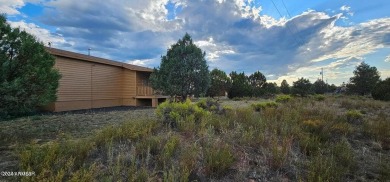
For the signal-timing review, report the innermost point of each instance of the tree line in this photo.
(256, 85)
(184, 71)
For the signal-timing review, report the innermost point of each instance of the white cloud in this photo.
(143, 62)
(136, 15)
(339, 42)
(233, 33)
(387, 59)
(345, 8)
(10, 7)
(214, 50)
(42, 34)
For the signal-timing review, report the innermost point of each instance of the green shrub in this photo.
(382, 90)
(342, 128)
(313, 126)
(280, 153)
(153, 144)
(319, 97)
(218, 159)
(58, 161)
(169, 148)
(309, 143)
(263, 105)
(323, 168)
(237, 98)
(188, 156)
(28, 79)
(354, 116)
(173, 113)
(379, 128)
(283, 98)
(211, 105)
(344, 155)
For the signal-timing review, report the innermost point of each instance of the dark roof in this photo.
(83, 57)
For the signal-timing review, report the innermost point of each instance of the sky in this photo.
(283, 39)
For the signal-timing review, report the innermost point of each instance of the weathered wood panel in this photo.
(86, 85)
(75, 83)
(106, 83)
(143, 85)
(129, 87)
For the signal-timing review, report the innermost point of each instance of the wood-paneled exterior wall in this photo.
(91, 84)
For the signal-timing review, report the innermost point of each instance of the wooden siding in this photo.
(75, 83)
(86, 85)
(92, 59)
(143, 85)
(129, 87)
(92, 82)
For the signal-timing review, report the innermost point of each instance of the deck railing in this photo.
(144, 89)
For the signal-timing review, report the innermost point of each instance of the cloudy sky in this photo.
(284, 39)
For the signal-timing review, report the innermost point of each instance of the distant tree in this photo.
(220, 83)
(381, 90)
(301, 87)
(332, 88)
(27, 77)
(257, 81)
(366, 77)
(240, 85)
(183, 70)
(271, 88)
(319, 87)
(285, 87)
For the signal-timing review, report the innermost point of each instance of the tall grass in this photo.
(299, 134)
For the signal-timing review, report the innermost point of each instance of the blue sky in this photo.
(284, 39)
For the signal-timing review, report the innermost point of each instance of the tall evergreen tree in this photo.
(301, 87)
(271, 88)
(381, 90)
(319, 87)
(240, 85)
(257, 81)
(183, 70)
(27, 77)
(220, 83)
(285, 87)
(364, 79)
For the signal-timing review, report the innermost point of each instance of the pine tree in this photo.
(27, 77)
(183, 70)
(366, 77)
(220, 83)
(302, 87)
(285, 87)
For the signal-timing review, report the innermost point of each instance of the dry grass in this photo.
(45, 128)
(304, 139)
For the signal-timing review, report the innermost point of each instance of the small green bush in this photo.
(354, 116)
(319, 97)
(237, 98)
(172, 113)
(263, 105)
(323, 168)
(283, 98)
(218, 159)
(169, 148)
(211, 105)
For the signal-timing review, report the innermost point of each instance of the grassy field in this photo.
(332, 138)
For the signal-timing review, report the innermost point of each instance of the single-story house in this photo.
(91, 82)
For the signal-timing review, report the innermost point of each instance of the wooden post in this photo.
(154, 102)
